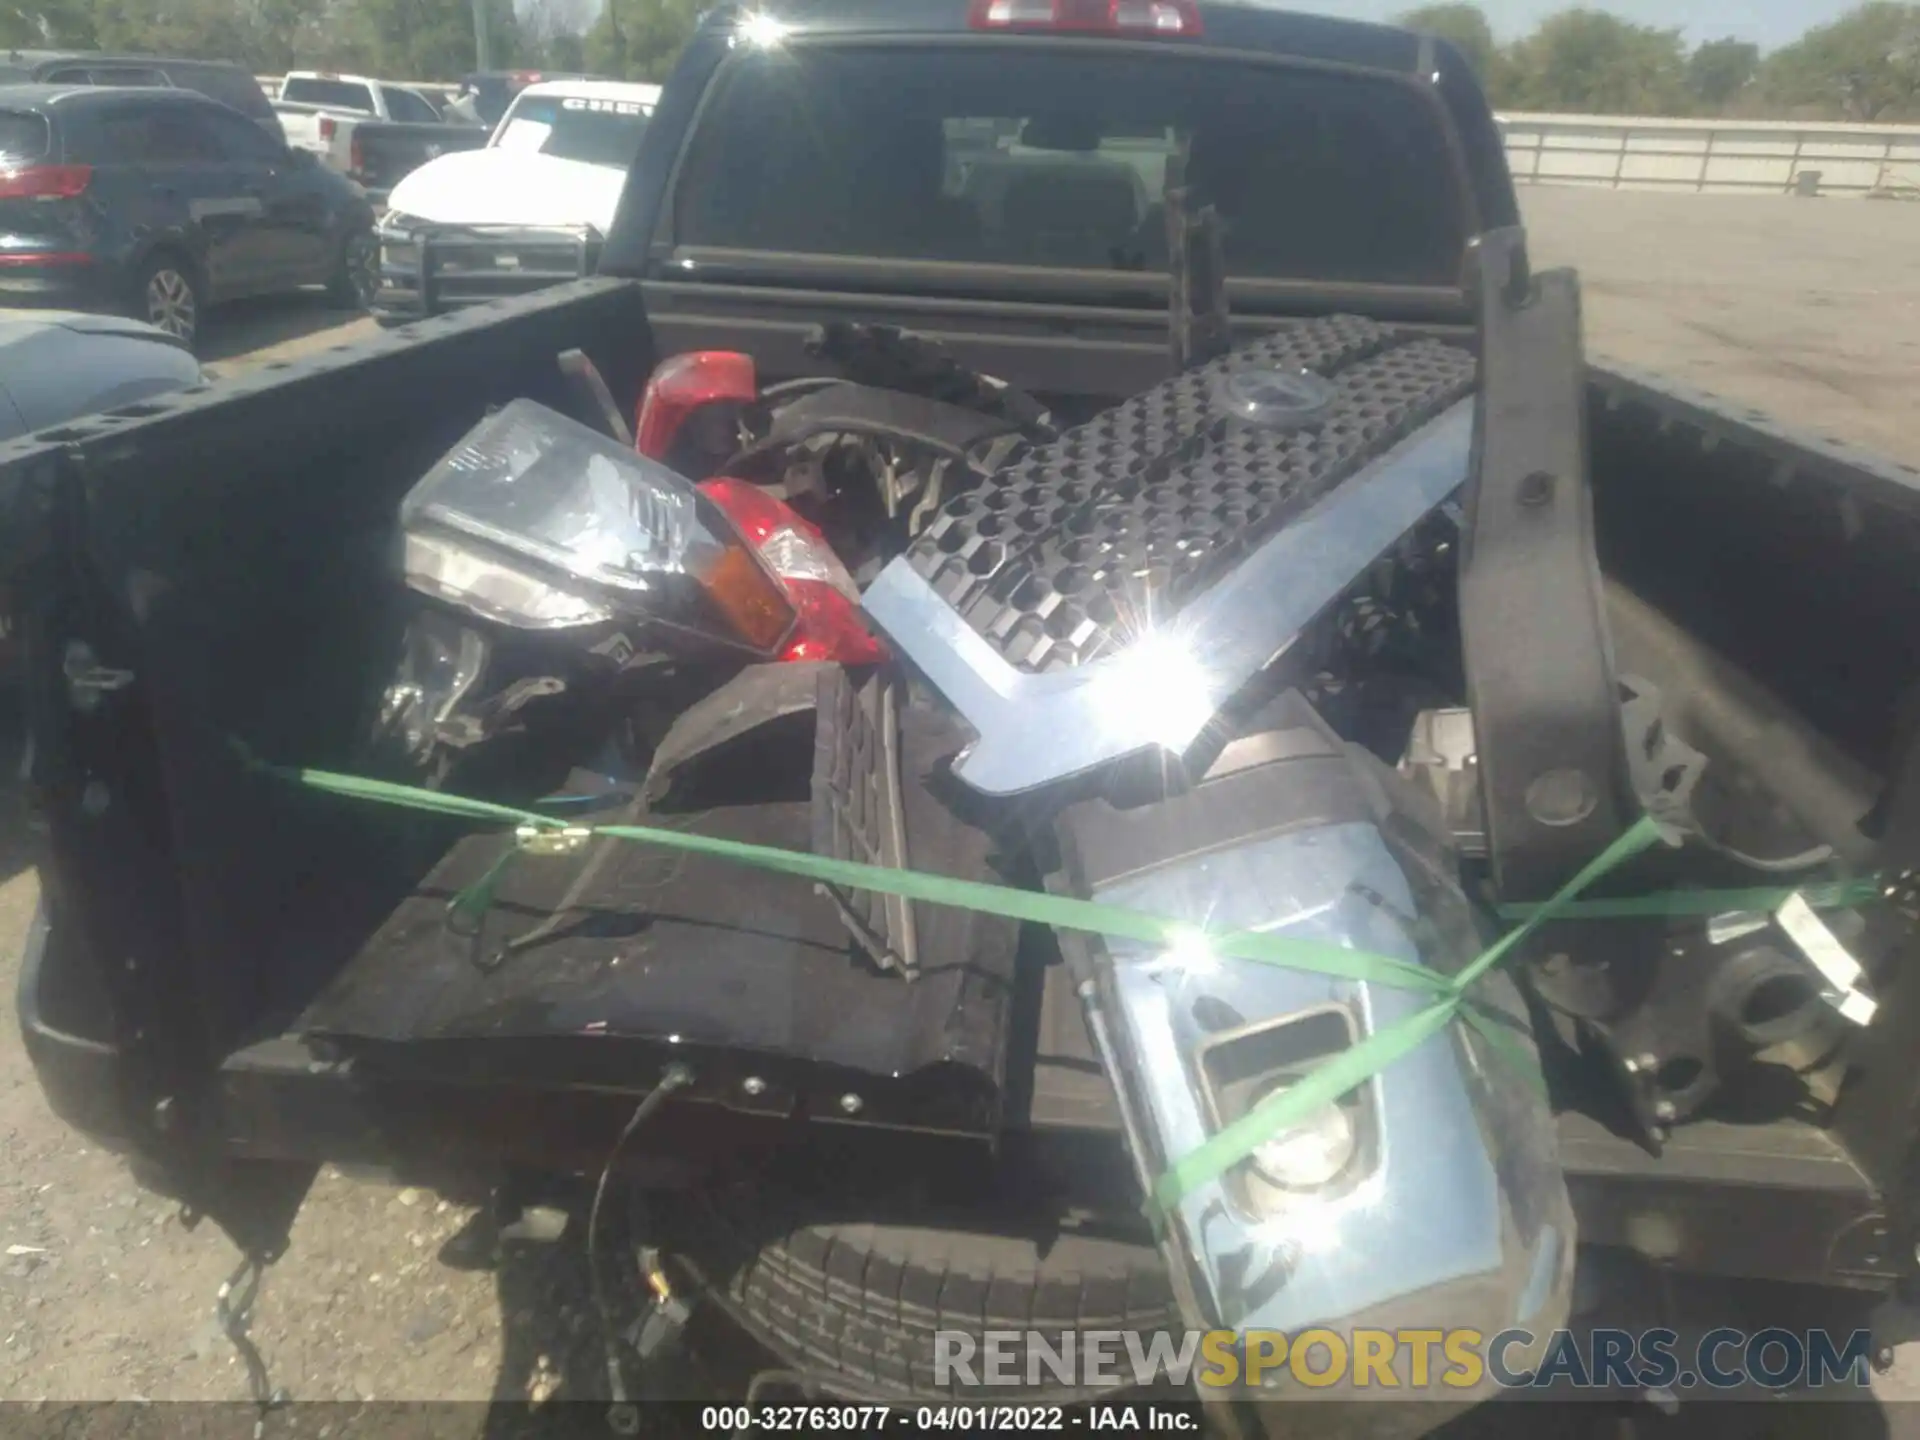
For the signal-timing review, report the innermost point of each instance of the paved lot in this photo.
(1808, 308)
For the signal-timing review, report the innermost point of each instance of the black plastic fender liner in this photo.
(1900, 812)
(1539, 666)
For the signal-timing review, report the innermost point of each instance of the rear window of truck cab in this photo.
(339, 94)
(24, 136)
(591, 129)
(1032, 154)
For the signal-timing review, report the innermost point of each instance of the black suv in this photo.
(220, 80)
(159, 203)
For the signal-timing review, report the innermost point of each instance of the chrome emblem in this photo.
(1276, 399)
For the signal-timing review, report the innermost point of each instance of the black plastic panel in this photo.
(1554, 781)
(1132, 513)
(643, 954)
(659, 955)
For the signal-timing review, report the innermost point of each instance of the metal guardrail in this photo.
(1775, 157)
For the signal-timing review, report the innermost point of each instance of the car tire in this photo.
(356, 272)
(169, 296)
(854, 1306)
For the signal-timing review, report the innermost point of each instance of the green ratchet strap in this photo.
(1005, 901)
(1237, 1141)
(1326, 1083)
(1835, 896)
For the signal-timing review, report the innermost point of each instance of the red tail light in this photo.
(823, 593)
(327, 127)
(45, 182)
(682, 384)
(1170, 18)
(355, 159)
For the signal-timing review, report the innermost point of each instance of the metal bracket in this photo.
(1199, 329)
(88, 681)
(1896, 817)
(654, 1335)
(587, 383)
(1554, 775)
(537, 841)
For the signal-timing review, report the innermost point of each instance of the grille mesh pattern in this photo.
(1120, 520)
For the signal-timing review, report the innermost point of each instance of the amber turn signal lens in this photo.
(750, 598)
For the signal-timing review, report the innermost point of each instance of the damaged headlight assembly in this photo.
(537, 522)
(550, 561)
(549, 554)
(1430, 1197)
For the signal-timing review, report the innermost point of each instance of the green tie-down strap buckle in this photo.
(536, 833)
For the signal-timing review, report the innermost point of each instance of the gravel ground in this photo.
(1805, 307)
(1809, 309)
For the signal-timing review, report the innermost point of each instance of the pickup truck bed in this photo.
(374, 153)
(382, 153)
(246, 1029)
(251, 896)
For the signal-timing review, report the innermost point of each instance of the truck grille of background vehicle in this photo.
(458, 268)
(1059, 555)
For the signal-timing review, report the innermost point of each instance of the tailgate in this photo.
(41, 213)
(386, 152)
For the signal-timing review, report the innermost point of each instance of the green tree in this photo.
(1464, 26)
(554, 34)
(1720, 70)
(1587, 61)
(266, 35)
(1467, 29)
(417, 39)
(1864, 66)
(30, 23)
(640, 39)
(566, 53)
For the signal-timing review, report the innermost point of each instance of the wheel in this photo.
(356, 273)
(854, 1305)
(167, 296)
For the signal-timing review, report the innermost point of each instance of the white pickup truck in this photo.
(370, 130)
(527, 211)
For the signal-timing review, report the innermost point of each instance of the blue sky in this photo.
(1769, 22)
